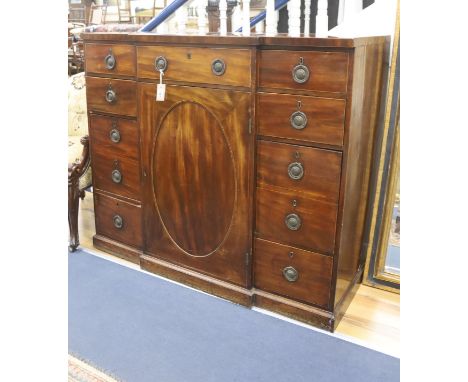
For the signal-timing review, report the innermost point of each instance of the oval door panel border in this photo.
(194, 178)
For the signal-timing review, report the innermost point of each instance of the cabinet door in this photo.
(197, 157)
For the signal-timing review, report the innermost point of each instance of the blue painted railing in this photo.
(163, 16)
(262, 15)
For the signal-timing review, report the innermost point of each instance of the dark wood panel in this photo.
(106, 208)
(129, 169)
(324, 116)
(194, 64)
(124, 56)
(125, 133)
(196, 151)
(125, 91)
(328, 70)
(197, 280)
(318, 220)
(369, 74)
(314, 272)
(321, 168)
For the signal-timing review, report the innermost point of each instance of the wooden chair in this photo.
(75, 171)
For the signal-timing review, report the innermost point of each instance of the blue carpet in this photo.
(141, 328)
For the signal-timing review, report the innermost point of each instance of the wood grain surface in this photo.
(125, 91)
(328, 70)
(314, 272)
(193, 64)
(321, 179)
(318, 220)
(124, 59)
(325, 117)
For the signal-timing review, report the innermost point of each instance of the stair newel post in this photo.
(202, 23)
(223, 17)
(271, 24)
(306, 18)
(321, 23)
(181, 15)
(294, 21)
(246, 17)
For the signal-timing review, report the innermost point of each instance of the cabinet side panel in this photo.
(369, 73)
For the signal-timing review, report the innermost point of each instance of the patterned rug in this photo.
(79, 371)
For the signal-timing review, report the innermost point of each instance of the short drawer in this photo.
(291, 218)
(112, 96)
(115, 174)
(304, 70)
(306, 169)
(302, 275)
(110, 59)
(118, 220)
(201, 65)
(300, 117)
(114, 137)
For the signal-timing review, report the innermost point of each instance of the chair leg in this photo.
(73, 205)
(75, 170)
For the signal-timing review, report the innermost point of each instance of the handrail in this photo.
(262, 15)
(163, 16)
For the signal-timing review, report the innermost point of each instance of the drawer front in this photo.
(110, 59)
(289, 217)
(327, 71)
(292, 272)
(309, 170)
(111, 96)
(190, 64)
(115, 174)
(118, 220)
(303, 118)
(115, 137)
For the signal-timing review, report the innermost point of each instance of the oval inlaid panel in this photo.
(194, 178)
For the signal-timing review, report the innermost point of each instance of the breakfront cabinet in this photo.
(249, 177)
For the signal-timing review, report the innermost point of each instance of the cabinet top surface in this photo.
(254, 40)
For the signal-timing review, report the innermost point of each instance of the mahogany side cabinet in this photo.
(250, 179)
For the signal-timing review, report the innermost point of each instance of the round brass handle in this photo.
(116, 176)
(295, 170)
(298, 120)
(118, 221)
(300, 73)
(114, 135)
(218, 67)
(293, 222)
(290, 274)
(160, 63)
(111, 97)
(109, 61)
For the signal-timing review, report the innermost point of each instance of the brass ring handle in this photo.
(118, 221)
(218, 67)
(298, 120)
(290, 274)
(110, 61)
(293, 222)
(116, 176)
(111, 97)
(114, 135)
(160, 63)
(295, 170)
(300, 73)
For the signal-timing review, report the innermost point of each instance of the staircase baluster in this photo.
(321, 23)
(271, 22)
(246, 17)
(223, 17)
(306, 18)
(294, 21)
(202, 4)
